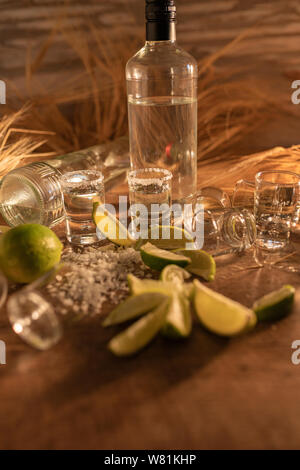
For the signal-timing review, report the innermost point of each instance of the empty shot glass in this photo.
(32, 316)
(243, 195)
(226, 232)
(81, 189)
(150, 193)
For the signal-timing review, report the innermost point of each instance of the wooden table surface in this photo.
(203, 393)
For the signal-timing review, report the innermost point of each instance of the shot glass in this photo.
(243, 195)
(277, 199)
(150, 194)
(226, 230)
(80, 190)
(230, 231)
(32, 316)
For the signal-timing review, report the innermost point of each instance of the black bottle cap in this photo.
(161, 20)
(160, 10)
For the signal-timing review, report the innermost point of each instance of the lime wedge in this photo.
(175, 274)
(157, 259)
(134, 307)
(219, 314)
(111, 227)
(188, 290)
(138, 286)
(275, 305)
(178, 322)
(202, 264)
(169, 237)
(252, 322)
(138, 335)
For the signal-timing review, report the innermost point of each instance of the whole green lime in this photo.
(28, 251)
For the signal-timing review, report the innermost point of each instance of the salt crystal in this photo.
(96, 276)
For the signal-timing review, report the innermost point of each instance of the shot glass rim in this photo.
(133, 177)
(259, 180)
(65, 183)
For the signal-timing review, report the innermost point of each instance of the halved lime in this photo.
(111, 227)
(175, 274)
(28, 251)
(202, 263)
(157, 259)
(178, 322)
(134, 307)
(169, 237)
(219, 314)
(140, 333)
(145, 286)
(275, 305)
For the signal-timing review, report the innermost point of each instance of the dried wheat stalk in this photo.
(229, 107)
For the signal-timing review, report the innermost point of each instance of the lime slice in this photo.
(138, 335)
(202, 264)
(275, 305)
(139, 286)
(188, 290)
(157, 259)
(111, 227)
(175, 274)
(252, 322)
(134, 307)
(178, 322)
(168, 237)
(219, 314)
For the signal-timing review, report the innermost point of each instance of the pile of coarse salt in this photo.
(94, 276)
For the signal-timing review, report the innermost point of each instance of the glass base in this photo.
(287, 259)
(83, 239)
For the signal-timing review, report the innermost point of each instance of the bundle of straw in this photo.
(90, 107)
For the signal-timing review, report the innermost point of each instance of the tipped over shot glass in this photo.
(226, 230)
(32, 316)
(243, 195)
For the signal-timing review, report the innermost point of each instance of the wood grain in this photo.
(203, 27)
(271, 50)
(202, 393)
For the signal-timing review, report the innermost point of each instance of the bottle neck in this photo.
(160, 31)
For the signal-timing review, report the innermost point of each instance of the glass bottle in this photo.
(32, 194)
(162, 102)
